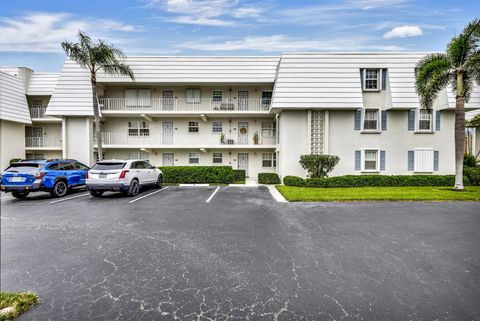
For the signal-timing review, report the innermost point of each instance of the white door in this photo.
(243, 162)
(37, 134)
(243, 133)
(243, 100)
(168, 159)
(167, 133)
(150, 175)
(167, 100)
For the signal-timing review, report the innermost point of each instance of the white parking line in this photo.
(4, 198)
(139, 198)
(69, 198)
(213, 194)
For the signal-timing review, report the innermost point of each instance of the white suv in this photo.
(125, 176)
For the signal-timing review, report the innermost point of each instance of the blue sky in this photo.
(31, 30)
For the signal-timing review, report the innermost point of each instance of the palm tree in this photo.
(94, 57)
(459, 67)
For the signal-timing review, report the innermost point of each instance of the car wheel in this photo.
(159, 181)
(20, 194)
(134, 188)
(96, 193)
(60, 189)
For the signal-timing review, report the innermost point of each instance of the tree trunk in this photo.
(96, 117)
(459, 133)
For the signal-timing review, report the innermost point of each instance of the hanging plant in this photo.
(243, 130)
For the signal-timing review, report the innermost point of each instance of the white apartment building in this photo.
(255, 113)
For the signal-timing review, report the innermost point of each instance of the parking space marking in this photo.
(213, 194)
(69, 198)
(4, 198)
(139, 198)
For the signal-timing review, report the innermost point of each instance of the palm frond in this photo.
(119, 69)
(432, 74)
(472, 67)
(465, 44)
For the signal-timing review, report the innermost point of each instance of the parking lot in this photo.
(233, 253)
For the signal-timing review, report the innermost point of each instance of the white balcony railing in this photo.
(49, 141)
(190, 139)
(183, 104)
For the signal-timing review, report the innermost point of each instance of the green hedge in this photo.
(373, 180)
(198, 174)
(473, 175)
(268, 178)
(239, 175)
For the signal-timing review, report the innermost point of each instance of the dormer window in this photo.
(425, 120)
(371, 79)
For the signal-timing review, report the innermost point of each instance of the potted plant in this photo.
(222, 138)
(255, 138)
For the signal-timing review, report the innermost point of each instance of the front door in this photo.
(168, 159)
(167, 100)
(243, 100)
(37, 137)
(243, 162)
(167, 133)
(243, 133)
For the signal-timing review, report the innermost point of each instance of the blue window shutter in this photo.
(358, 156)
(435, 160)
(411, 162)
(437, 120)
(361, 78)
(382, 160)
(384, 79)
(358, 119)
(384, 120)
(411, 119)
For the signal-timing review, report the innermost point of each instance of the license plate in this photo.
(102, 175)
(17, 179)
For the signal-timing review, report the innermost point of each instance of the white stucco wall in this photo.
(78, 136)
(12, 141)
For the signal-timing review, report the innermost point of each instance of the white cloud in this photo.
(43, 32)
(277, 43)
(200, 21)
(403, 32)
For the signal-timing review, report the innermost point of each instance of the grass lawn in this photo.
(414, 193)
(20, 302)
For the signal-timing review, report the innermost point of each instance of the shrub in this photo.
(268, 178)
(469, 160)
(15, 160)
(198, 174)
(374, 181)
(473, 175)
(293, 181)
(318, 165)
(239, 175)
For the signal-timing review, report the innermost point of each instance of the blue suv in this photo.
(56, 176)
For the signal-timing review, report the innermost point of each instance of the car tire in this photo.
(60, 189)
(20, 194)
(134, 188)
(159, 181)
(96, 193)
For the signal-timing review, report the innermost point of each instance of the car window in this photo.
(137, 165)
(147, 165)
(54, 167)
(108, 165)
(67, 166)
(24, 168)
(79, 166)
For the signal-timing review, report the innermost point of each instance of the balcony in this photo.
(38, 113)
(184, 105)
(53, 143)
(190, 140)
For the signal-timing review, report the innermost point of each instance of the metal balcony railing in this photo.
(50, 141)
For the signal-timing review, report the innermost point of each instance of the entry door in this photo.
(168, 159)
(243, 133)
(167, 100)
(167, 133)
(243, 162)
(243, 100)
(37, 134)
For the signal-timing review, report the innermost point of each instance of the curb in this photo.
(276, 194)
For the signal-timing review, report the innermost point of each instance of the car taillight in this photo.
(39, 175)
(122, 174)
(88, 174)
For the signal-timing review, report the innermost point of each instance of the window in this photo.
(425, 120)
(217, 95)
(193, 126)
(137, 97)
(266, 99)
(193, 96)
(138, 155)
(423, 160)
(38, 156)
(370, 160)
(193, 158)
(138, 128)
(217, 127)
(268, 129)
(370, 121)
(217, 158)
(269, 160)
(371, 79)
(79, 166)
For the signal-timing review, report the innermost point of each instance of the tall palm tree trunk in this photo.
(459, 133)
(96, 117)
